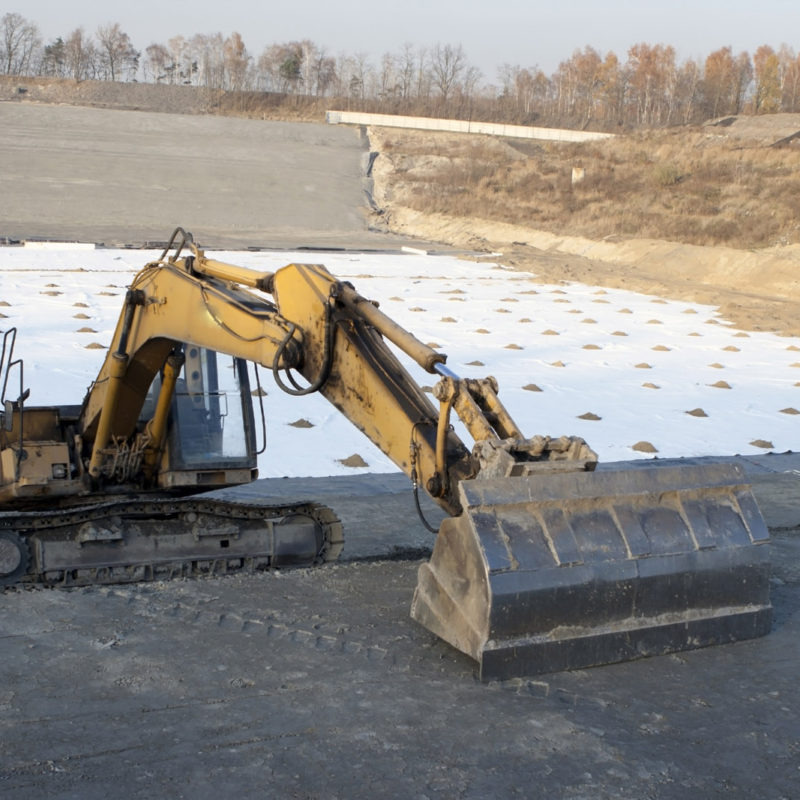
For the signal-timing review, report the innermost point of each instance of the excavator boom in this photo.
(544, 563)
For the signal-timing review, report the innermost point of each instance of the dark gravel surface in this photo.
(316, 684)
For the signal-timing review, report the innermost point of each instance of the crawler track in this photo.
(129, 540)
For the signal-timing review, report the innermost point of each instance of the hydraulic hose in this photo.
(327, 360)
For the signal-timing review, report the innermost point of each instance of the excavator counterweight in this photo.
(545, 562)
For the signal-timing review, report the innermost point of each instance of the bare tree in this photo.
(117, 55)
(183, 66)
(157, 63)
(303, 66)
(766, 65)
(236, 61)
(406, 65)
(448, 64)
(19, 43)
(324, 72)
(341, 76)
(423, 78)
(518, 94)
(790, 79)
(361, 74)
(81, 55)
(587, 89)
(387, 78)
(205, 56)
(308, 53)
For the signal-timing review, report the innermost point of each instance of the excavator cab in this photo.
(211, 438)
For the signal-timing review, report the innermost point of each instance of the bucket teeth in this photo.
(546, 573)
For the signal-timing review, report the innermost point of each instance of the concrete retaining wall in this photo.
(462, 126)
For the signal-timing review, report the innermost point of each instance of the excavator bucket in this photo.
(545, 573)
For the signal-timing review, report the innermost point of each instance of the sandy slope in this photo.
(758, 290)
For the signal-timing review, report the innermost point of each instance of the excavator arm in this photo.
(320, 328)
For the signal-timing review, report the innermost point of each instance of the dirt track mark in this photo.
(331, 637)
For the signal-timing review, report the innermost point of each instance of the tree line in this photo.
(648, 88)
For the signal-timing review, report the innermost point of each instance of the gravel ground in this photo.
(316, 684)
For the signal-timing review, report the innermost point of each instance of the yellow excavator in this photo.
(543, 564)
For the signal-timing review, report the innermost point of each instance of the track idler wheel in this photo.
(14, 557)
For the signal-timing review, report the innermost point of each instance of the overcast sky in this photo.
(492, 32)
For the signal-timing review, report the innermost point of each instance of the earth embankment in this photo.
(758, 289)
